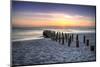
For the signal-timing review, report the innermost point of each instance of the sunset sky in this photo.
(34, 14)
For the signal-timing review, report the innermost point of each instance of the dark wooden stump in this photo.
(77, 40)
(59, 37)
(77, 43)
(66, 37)
(84, 39)
(92, 48)
(56, 36)
(77, 37)
(87, 42)
(62, 40)
(69, 41)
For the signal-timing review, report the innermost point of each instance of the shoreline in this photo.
(26, 39)
(41, 37)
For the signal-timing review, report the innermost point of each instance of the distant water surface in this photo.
(27, 34)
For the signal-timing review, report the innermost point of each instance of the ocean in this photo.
(20, 34)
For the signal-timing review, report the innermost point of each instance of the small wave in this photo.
(25, 39)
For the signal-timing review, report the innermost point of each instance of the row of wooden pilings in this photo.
(66, 38)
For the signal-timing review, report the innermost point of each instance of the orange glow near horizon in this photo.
(55, 19)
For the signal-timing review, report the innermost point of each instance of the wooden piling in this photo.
(77, 37)
(77, 41)
(87, 42)
(84, 39)
(59, 37)
(51, 35)
(92, 48)
(69, 41)
(62, 38)
(56, 36)
(66, 37)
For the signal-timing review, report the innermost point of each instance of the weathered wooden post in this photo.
(62, 38)
(66, 37)
(59, 37)
(92, 48)
(84, 39)
(47, 33)
(87, 42)
(69, 41)
(77, 37)
(70, 37)
(56, 36)
(77, 41)
(53, 35)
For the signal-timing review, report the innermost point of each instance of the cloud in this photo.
(50, 18)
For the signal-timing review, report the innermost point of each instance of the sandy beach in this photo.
(46, 51)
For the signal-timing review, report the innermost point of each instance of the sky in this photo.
(36, 14)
